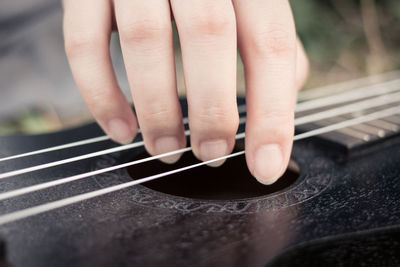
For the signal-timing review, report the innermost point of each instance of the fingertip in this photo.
(121, 131)
(167, 144)
(216, 164)
(268, 164)
(213, 149)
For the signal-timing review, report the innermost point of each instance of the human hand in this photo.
(210, 31)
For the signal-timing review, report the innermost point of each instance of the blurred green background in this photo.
(344, 39)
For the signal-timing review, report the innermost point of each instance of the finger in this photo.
(207, 32)
(302, 66)
(267, 43)
(146, 40)
(87, 34)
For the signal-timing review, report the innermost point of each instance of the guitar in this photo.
(74, 198)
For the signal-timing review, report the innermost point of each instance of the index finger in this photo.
(87, 37)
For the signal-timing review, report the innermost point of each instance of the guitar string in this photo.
(369, 91)
(24, 213)
(241, 109)
(358, 106)
(352, 95)
(30, 189)
(348, 85)
(81, 157)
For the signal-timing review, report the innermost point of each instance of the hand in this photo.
(210, 31)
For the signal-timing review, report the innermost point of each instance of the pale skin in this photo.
(210, 33)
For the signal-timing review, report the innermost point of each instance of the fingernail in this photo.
(268, 164)
(213, 149)
(119, 131)
(167, 144)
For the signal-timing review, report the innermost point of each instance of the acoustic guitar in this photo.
(75, 198)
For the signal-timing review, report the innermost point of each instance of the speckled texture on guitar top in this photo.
(335, 211)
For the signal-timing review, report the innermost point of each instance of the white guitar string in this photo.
(358, 106)
(369, 91)
(352, 95)
(241, 109)
(82, 157)
(30, 189)
(17, 215)
(59, 147)
(60, 181)
(348, 85)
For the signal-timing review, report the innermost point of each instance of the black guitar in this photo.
(73, 198)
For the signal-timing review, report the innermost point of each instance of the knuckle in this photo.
(281, 135)
(276, 40)
(276, 124)
(99, 107)
(137, 32)
(275, 116)
(217, 119)
(158, 118)
(209, 24)
(80, 43)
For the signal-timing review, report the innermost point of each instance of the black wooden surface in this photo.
(340, 211)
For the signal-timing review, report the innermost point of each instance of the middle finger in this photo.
(207, 31)
(146, 40)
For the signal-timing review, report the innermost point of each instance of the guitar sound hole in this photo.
(230, 181)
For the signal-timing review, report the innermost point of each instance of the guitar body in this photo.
(337, 210)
